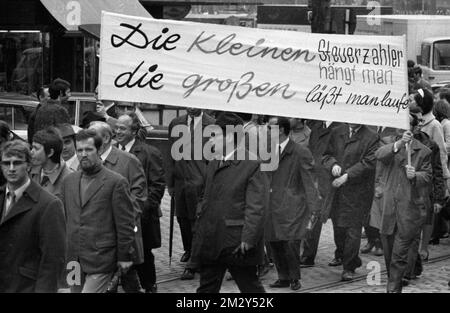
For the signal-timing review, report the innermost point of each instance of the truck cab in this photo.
(435, 59)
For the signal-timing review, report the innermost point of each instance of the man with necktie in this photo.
(230, 225)
(185, 177)
(350, 159)
(151, 160)
(318, 142)
(32, 228)
(293, 198)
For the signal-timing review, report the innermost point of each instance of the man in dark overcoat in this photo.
(151, 160)
(350, 158)
(318, 142)
(229, 230)
(293, 196)
(32, 228)
(185, 177)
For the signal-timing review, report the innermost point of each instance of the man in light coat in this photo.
(128, 166)
(100, 217)
(403, 193)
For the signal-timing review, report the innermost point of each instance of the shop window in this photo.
(22, 57)
(6, 114)
(91, 50)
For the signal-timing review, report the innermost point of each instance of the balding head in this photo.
(104, 130)
(127, 127)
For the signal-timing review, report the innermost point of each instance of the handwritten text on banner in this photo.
(357, 79)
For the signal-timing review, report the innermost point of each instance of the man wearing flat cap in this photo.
(229, 228)
(69, 154)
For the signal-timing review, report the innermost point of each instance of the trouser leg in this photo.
(279, 258)
(190, 264)
(351, 259)
(147, 270)
(399, 261)
(387, 242)
(186, 232)
(373, 236)
(339, 241)
(130, 280)
(211, 277)
(312, 243)
(413, 254)
(292, 248)
(246, 279)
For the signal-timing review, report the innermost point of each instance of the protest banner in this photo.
(355, 79)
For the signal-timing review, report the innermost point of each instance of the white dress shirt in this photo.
(197, 119)
(283, 145)
(18, 193)
(73, 163)
(130, 144)
(106, 153)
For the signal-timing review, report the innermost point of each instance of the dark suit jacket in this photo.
(32, 242)
(128, 166)
(187, 177)
(318, 143)
(100, 231)
(351, 202)
(151, 160)
(233, 211)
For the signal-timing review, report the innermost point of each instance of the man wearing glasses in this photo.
(32, 227)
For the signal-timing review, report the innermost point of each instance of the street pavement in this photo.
(320, 278)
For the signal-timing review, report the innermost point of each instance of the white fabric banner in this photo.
(344, 78)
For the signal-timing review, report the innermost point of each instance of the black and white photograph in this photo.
(228, 147)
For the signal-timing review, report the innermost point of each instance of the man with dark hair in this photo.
(230, 225)
(185, 179)
(59, 90)
(48, 169)
(293, 197)
(350, 159)
(419, 81)
(318, 142)
(127, 165)
(405, 191)
(151, 160)
(50, 112)
(100, 217)
(32, 228)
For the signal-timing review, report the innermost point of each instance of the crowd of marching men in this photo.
(80, 207)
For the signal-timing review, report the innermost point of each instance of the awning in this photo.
(91, 30)
(72, 14)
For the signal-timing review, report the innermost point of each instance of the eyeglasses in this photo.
(13, 163)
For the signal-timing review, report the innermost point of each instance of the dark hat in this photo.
(66, 130)
(89, 117)
(228, 118)
(60, 84)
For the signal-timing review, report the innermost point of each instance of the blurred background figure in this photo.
(300, 132)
